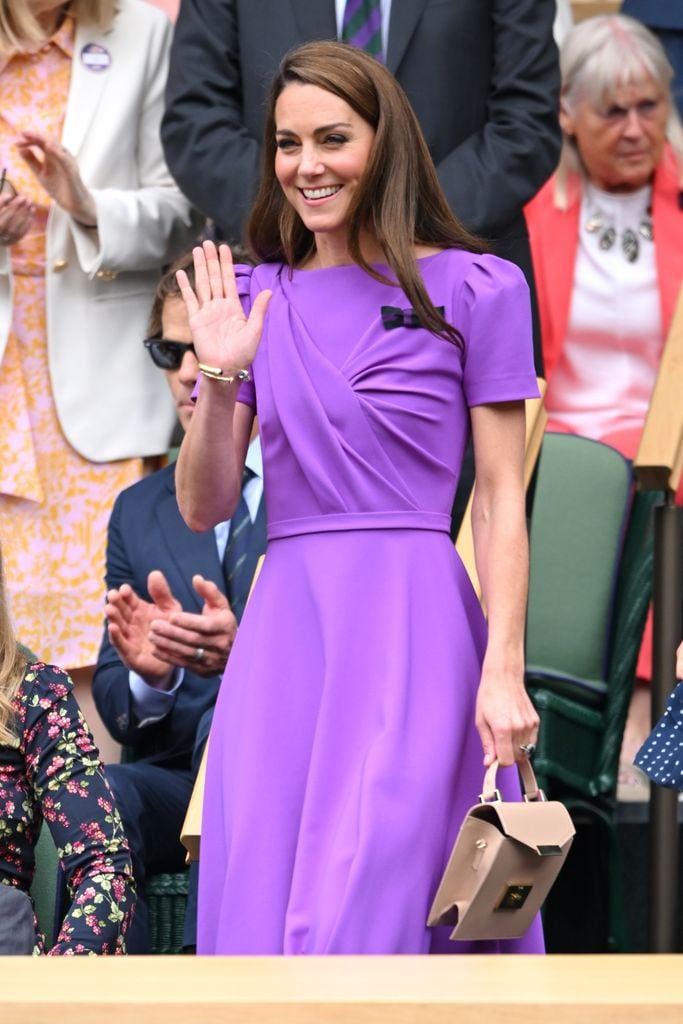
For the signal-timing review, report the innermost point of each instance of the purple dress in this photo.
(343, 754)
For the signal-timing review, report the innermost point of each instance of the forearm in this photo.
(208, 475)
(501, 551)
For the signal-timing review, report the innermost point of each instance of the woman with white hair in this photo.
(607, 238)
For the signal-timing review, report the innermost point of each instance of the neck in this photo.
(51, 20)
(331, 250)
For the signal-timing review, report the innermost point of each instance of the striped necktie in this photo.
(362, 26)
(235, 565)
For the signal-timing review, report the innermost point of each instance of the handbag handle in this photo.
(527, 776)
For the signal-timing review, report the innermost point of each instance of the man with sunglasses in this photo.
(174, 598)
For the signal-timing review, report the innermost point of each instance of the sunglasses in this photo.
(167, 354)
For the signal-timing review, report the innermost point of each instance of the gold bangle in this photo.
(216, 373)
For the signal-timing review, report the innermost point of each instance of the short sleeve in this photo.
(246, 393)
(494, 317)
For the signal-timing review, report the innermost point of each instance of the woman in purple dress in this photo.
(344, 752)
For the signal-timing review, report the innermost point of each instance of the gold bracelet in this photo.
(216, 373)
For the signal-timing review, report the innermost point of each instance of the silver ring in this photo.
(198, 654)
(528, 749)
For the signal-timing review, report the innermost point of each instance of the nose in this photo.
(310, 163)
(189, 368)
(633, 128)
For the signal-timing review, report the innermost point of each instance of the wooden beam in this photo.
(659, 461)
(582, 9)
(345, 990)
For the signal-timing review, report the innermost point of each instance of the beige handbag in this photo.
(504, 862)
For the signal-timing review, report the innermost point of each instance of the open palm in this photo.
(223, 336)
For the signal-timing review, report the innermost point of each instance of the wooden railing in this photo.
(345, 990)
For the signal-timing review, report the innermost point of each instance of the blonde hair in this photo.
(12, 667)
(21, 31)
(598, 56)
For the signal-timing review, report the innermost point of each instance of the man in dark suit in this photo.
(482, 76)
(170, 626)
(665, 18)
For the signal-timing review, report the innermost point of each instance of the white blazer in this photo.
(112, 402)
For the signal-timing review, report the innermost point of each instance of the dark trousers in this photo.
(152, 802)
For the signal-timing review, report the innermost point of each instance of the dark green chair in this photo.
(591, 559)
(166, 901)
(44, 887)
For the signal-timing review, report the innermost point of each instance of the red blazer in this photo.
(554, 236)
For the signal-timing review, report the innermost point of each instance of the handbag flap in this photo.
(543, 825)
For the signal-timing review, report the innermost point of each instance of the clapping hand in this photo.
(223, 336)
(199, 642)
(129, 621)
(16, 215)
(154, 637)
(57, 171)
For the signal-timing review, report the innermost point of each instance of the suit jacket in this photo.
(146, 531)
(660, 14)
(555, 239)
(111, 401)
(481, 75)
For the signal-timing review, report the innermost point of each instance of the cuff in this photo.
(151, 705)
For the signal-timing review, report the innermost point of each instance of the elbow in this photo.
(201, 517)
(195, 518)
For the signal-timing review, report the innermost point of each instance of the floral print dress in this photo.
(54, 773)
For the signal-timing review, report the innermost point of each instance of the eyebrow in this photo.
(318, 131)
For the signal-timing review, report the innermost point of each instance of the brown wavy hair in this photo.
(12, 666)
(400, 199)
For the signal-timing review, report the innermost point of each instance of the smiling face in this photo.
(323, 147)
(621, 140)
(176, 327)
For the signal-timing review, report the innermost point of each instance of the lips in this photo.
(320, 193)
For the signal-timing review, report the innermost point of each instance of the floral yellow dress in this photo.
(54, 504)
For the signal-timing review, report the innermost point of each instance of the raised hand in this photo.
(223, 336)
(57, 171)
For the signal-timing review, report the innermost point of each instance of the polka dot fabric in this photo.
(661, 756)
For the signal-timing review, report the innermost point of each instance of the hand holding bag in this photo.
(504, 862)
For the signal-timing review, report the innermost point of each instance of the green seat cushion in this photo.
(581, 505)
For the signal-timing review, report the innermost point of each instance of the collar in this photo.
(254, 457)
(63, 38)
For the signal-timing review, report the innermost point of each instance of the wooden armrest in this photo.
(659, 461)
(536, 419)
